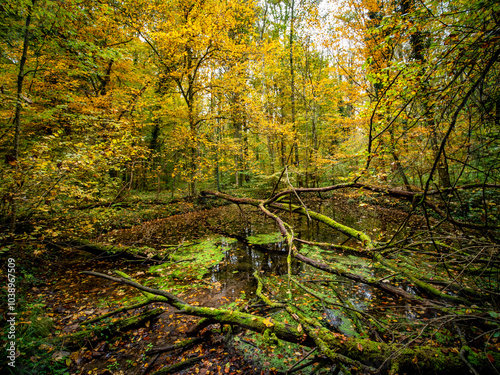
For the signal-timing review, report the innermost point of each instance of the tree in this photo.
(70, 128)
(186, 37)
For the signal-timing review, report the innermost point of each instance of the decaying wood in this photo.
(172, 369)
(363, 354)
(112, 329)
(186, 344)
(110, 251)
(351, 351)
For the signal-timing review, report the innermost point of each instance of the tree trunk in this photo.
(292, 86)
(19, 106)
(20, 80)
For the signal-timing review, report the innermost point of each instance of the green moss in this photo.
(341, 322)
(270, 352)
(264, 239)
(472, 357)
(190, 264)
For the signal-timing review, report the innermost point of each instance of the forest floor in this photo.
(57, 292)
(69, 299)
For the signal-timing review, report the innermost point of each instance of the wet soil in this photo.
(71, 298)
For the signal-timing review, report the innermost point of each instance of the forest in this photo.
(250, 187)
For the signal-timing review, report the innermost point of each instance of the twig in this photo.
(462, 351)
(295, 193)
(150, 364)
(302, 360)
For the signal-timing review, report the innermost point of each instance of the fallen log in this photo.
(351, 351)
(186, 344)
(112, 329)
(172, 369)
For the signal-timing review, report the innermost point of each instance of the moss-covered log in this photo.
(172, 369)
(186, 344)
(112, 329)
(248, 321)
(120, 310)
(355, 352)
(111, 251)
(393, 358)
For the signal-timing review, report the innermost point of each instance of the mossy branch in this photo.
(248, 321)
(120, 310)
(113, 328)
(337, 347)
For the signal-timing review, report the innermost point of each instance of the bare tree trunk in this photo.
(17, 115)
(20, 80)
(397, 162)
(292, 94)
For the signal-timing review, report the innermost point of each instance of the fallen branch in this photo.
(111, 329)
(179, 366)
(352, 351)
(186, 344)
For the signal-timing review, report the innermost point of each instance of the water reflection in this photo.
(235, 272)
(241, 261)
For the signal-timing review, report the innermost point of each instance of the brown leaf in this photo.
(57, 356)
(70, 328)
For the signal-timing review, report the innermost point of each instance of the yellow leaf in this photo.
(268, 322)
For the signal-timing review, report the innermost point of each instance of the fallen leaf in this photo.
(268, 322)
(57, 356)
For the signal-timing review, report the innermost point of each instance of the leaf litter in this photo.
(70, 299)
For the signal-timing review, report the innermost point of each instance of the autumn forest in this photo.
(250, 187)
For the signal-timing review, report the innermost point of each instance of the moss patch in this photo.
(188, 265)
(264, 239)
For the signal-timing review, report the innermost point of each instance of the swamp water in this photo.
(266, 253)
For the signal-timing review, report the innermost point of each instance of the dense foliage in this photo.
(101, 98)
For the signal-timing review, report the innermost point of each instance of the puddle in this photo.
(235, 272)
